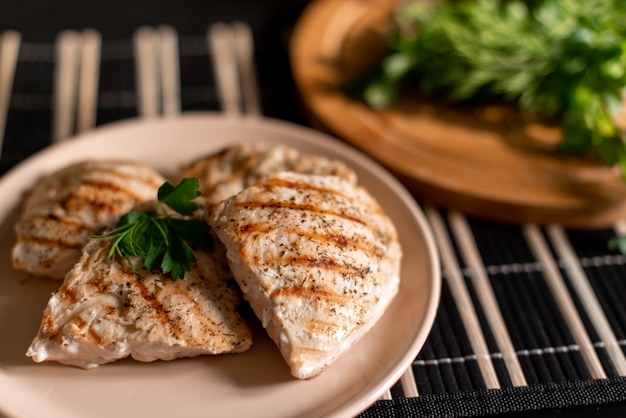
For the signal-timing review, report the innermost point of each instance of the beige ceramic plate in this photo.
(256, 383)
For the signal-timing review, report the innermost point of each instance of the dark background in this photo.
(40, 20)
(270, 20)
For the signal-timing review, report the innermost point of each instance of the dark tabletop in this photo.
(445, 373)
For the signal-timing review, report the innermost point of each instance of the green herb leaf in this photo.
(177, 257)
(618, 243)
(161, 240)
(180, 198)
(154, 256)
(194, 232)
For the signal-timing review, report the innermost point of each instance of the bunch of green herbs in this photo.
(554, 58)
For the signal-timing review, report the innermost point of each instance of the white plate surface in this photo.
(256, 383)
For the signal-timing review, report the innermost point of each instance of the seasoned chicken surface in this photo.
(242, 165)
(102, 313)
(316, 257)
(63, 210)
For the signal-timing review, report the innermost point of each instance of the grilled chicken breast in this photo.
(63, 210)
(242, 165)
(316, 257)
(102, 313)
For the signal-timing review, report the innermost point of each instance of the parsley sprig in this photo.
(160, 239)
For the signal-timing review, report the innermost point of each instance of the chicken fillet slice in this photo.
(242, 165)
(103, 313)
(317, 259)
(62, 211)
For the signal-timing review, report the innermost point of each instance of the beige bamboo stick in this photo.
(563, 299)
(221, 44)
(587, 297)
(88, 85)
(170, 70)
(462, 299)
(145, 43)
(481, 284)
(9, 50)
(244, 48)
(65, 85)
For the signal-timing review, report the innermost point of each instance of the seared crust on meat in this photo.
(102, 313)
(316, 257)
(229, 171)
(63, 211)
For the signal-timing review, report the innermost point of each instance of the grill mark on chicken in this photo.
(79, 322)
(92, 190)
(307, 352)
(278, 205)
(277, 182)
(151, 299)
(324, 263)
(311, 292)
(68, 294)
(341, 240)
(47, 325)
(124, 175)
(66, 221)
(323, 327)
(299, 185)
(90, 335)
(54, 242)
(304, 261)
(90, 197)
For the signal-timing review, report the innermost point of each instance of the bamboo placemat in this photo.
(531, 318)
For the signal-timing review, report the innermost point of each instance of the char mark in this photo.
(279, 205)
(312, 293)
(55, 243)
(328, 264)
(359, 243)
(101, 188)
(175, 326)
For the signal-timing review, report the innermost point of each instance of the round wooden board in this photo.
(485, 161)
